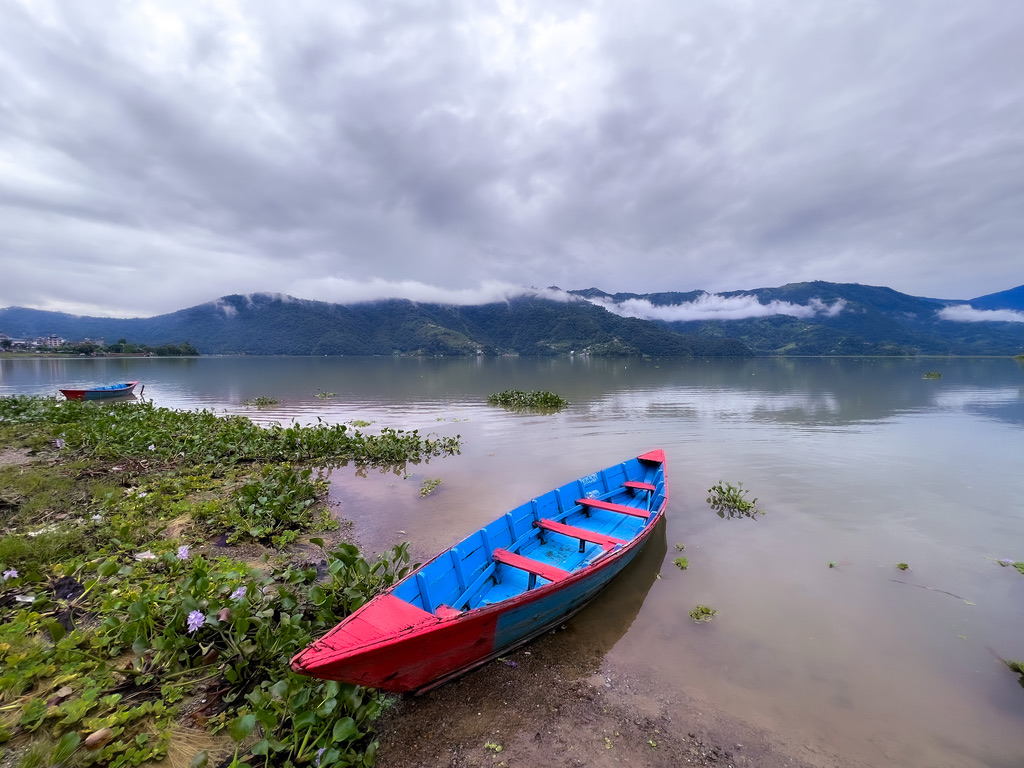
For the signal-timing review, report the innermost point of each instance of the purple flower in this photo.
(196, 619)
(152, 447)
(10, 574)
(59, 443)
(239, 593)
(183, 552)
(319, 753)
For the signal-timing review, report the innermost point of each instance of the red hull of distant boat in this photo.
(100, 393)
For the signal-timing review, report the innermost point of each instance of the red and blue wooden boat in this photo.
(505, 584)
(100, 393)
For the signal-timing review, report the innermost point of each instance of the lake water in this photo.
(858, 462)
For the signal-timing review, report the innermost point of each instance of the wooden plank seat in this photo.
(533, 567)
(611, 507)
(608, 543)
(637, 485)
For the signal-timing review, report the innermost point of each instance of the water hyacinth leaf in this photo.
(201, 760)
(243, 726)
(304, 719)
(327, 707)
(107, 568)
(56, 630)
(345, 729)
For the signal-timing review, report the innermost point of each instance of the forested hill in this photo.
(844, 319)
(263, 324)
(798, 319)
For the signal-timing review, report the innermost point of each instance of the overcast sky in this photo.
(158, 155)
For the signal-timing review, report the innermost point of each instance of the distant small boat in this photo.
(100, 393)
(512, 580)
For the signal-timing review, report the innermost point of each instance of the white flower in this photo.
(147, 555)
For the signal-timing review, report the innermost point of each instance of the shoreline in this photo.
(543, 705)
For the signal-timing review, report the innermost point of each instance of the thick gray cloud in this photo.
(155, 156)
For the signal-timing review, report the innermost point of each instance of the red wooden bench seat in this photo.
(639, 486)
(611, 507)
(608, 543)
(533, 567)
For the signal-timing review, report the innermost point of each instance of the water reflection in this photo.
(600, 625)
(804, 393)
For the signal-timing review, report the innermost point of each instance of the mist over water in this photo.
(858, 462)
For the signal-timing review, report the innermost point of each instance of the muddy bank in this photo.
(539, 708)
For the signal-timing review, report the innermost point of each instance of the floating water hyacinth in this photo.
(196, 619)
(183, 552)
(10, 574)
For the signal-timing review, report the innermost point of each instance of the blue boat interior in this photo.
(542, 541)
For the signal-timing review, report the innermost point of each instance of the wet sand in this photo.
(534, 709)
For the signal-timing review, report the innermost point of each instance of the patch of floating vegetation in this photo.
(429, 485)
(703, 613)
(682, 563)
(728, 501)
(932, 375)
(261, 402)
(515, 399)
(902, 566)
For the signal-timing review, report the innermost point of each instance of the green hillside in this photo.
(864, 320)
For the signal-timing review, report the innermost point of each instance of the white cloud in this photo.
(965, 313)
(710, 306)
(341, 290)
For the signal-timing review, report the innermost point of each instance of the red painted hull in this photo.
(397, 646)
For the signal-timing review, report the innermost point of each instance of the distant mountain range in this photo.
(815, 318)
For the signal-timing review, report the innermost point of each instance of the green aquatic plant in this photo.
(680, 547)
(429, 485)
(1006, 562)
(515, 399)
(902, 566)
(261, 402)
(728, 501)
(97, 430)
(277, 506)
(832, 564)
(325, 395)
(932, 375)
(1016, 666)
(703, 613)
(682, 563)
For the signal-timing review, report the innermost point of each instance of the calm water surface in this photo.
(858, 462)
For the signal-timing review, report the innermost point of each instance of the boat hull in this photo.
(100, 393)
(395, 645)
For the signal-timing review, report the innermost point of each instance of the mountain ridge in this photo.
(811, 318)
